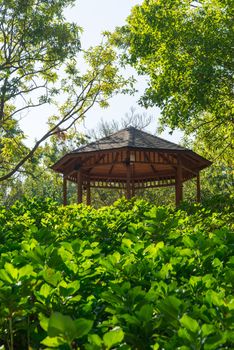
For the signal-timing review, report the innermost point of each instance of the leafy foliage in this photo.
(127, 276)
(35, 41)
(184, 49)
(39, 65)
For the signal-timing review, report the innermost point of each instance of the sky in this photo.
(95, 17)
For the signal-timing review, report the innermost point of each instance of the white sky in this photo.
(95, 16)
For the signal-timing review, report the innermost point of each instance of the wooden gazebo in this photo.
(130, 159)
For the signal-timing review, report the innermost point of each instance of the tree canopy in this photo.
(38, 65)
(35, 41)
(184, 49)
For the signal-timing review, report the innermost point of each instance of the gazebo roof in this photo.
(132, 138)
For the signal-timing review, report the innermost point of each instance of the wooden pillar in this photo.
(179, 182)
(64, 190)
(79, 187)
(198, 188)
(88, 193)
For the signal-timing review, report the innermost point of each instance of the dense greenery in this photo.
(35, 41)
(183, 47)
(128, 276)
(39, 65)
(132, 275)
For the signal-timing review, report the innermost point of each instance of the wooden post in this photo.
(198, 188)
(179, 182)
(79, 187)
(88, 193)
(64, 190)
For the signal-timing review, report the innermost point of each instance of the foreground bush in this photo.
(130, 276)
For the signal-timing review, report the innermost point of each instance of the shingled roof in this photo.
(132, 138)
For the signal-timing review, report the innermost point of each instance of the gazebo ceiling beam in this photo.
(113, 163)
(167, 159)
(191, 159)
(75, 165)
(194, 172)
(149, 176)
(151, 165)
(96, 162)
(88, 166)
(70, 169)
(186, 164)
(142, 158)
(183, 161)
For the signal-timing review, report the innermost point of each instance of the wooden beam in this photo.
(151, 165)
(90, 167)
(114, 162)
(198, 188)
(186, 164)
(167, 159)
(189, 170)
(148, 176)
(74, 164)
(79, 186)
(179, 182)
(64, 191)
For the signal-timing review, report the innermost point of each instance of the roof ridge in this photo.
(103, 138)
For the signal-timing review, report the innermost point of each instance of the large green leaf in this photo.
(83, 327)
(61, 326)
(52, 276)
(189, 323)
(113, 337)
(53, 342)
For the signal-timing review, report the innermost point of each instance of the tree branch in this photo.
(74, 110)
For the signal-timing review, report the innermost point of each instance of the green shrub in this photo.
(128, 276)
